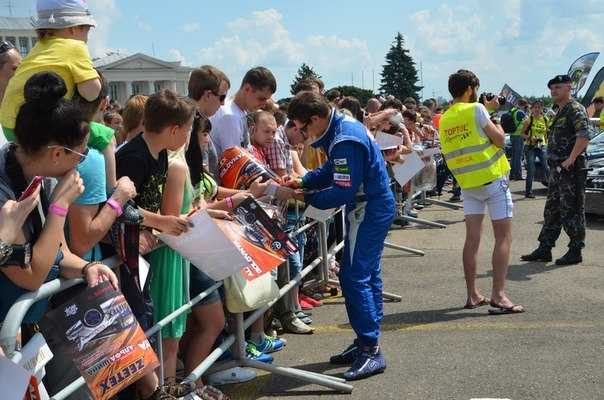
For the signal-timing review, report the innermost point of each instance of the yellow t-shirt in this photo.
(69, 58)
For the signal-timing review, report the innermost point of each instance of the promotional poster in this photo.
(238, 169)
(579, 70)
(99, 332)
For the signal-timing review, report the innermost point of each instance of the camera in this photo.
(484, 97)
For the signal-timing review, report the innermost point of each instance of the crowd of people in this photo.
(160, 154)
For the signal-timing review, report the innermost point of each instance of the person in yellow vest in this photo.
(472, 145)
(534, 132)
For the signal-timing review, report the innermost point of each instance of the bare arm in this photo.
(299, 169)
(90, 89)
(172, 198)
(495, 134)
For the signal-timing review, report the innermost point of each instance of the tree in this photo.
(361, 94)
(399, 75)
(304, 72)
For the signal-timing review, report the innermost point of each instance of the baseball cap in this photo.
(558, 79)
(59, 14)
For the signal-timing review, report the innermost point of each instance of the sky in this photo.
(522, 43)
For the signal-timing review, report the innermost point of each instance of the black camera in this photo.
(484, 97)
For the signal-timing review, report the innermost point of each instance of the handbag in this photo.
(242, 295)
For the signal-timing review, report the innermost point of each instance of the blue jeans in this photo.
(517, 147)
(533, 152)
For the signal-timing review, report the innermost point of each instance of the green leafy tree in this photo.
(399, 75)
(361, 94)
(304, 72)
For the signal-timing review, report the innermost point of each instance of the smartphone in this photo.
(33, 185)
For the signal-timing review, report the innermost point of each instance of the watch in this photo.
(5, 251)
(20, 254)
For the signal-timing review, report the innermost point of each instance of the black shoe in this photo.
(541, 254)
(529, 195)
(347, 356)
(572, 256)
(455, 199)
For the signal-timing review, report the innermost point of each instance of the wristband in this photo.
(229, 201)
(87, 266)
(56, 209)
(116, 206)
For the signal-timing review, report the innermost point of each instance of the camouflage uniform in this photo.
(565, 205)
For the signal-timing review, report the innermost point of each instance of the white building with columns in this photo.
(18, 31)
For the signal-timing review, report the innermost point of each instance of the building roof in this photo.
(114, 59)
(16, 24)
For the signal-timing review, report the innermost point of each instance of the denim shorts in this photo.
(198, 282)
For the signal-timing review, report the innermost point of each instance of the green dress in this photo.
(170, 283)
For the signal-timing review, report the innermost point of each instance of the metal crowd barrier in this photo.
(14, 317)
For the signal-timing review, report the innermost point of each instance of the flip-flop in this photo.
(481, 303)
(498, 309)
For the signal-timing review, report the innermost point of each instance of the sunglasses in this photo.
(303, 131)
(222, 97)
(6, 46)
(82, 155)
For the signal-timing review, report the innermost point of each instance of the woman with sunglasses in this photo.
(51, 140)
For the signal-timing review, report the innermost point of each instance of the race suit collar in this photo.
(326, 137)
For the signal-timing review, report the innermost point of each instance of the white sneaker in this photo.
(231, 375)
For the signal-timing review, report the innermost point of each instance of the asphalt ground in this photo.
(435, 349)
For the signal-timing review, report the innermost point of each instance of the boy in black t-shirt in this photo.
(168, 119)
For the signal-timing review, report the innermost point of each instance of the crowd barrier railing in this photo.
(236, 340)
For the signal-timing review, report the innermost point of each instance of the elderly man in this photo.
(565, 205)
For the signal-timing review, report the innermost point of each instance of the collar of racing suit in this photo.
(327, 137)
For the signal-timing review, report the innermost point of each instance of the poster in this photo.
(99, 332)
(580, 69)
(387, 141)
(511, 96)
(237, 169)
(595, 89)
(253, 242)
(411, 166)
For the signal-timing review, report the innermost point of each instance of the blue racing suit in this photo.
(355, 175)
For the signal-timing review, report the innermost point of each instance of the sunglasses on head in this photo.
(6, 46)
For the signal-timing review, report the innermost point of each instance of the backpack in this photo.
(508, 121)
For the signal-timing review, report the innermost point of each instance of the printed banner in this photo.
(238, 169)
(580, 69)
(99, 332)
(595, 89)
(511, 96)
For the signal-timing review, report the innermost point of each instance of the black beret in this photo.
(558, 79)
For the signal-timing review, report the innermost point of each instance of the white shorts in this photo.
(496, 195)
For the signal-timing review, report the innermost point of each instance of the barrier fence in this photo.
(236, 339)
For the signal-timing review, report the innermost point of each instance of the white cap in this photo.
(59, 14)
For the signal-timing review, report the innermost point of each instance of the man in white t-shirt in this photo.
(229, 126)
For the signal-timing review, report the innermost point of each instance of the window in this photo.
(12, 39)
(34, 40)
(157, 86)
(23, 46)
(113, 91)
(137, 88)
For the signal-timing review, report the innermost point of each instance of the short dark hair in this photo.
(306, 105)
(260, 78)
(412, 115)
(89, 108)
(409, 100)
(392, 103)
(307, 84)
(166, 108)
(598, 99)
(333, 94)
(280, 117)
(460, 81)
(523, 102)
(206, 77)
(47, 117)
(353, 105)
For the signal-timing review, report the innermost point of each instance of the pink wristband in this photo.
(56, 209)
(229, 201)
(116, 206)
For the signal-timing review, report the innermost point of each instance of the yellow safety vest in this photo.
(470, 156)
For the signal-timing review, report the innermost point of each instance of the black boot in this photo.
(572, 256)
(542, 253)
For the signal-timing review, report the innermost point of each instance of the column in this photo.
(150, 89)
(128, 89)
(173, 86)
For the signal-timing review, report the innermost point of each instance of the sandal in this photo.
(499, 309)
(483, 302)
(207, 392)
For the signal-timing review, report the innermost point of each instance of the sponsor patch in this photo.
(341, 177)
(342, 169)
(340, 161)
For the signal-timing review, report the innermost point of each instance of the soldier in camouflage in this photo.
(568, 137)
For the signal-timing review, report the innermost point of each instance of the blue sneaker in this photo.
(269, 345)
(252, 353)
(347, 356)
(369, 362)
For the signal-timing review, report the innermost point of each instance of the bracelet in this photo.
(116, 206)
(229, 201)
(87, 266)
(56, 209)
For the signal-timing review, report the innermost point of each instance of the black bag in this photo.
(508, 121)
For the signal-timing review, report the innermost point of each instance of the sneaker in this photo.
(292, 324)
(572, 256)
(455, 199)
(411, 214)
(252, 353)
(230, 376)
(529, 195)
(305, 305)
(179, 389)
(304, 317)
(368, 363)
(160, 394)
(310, 300)
(270, 345)
(347, 356)
(540, 254)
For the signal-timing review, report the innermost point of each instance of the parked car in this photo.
(595, 149)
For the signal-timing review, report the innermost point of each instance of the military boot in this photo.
(542, 253)
(572, 256)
